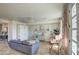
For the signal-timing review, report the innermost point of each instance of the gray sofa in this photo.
(27, 47)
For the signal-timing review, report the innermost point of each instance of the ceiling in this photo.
(31, 11)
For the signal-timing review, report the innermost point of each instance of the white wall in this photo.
(18, 33)
(22, 32)
(13, 29)
(45, 26)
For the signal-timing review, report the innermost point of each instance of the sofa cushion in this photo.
(25, 42)
(31, 42)
(16, 41)
(29, 47)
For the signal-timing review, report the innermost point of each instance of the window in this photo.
(74, 22)
(74, 30)
(74, 10)
(74, 51)
(74, 35)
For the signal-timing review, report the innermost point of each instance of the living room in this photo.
(35, 29)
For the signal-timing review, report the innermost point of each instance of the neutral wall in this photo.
(13, 30)
(13, 33)
(23, 31)
(45, 27)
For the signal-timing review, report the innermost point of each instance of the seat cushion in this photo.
(25, 43)
(16, 41)
(30, 42)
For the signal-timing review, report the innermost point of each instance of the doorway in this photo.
(3, 31)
